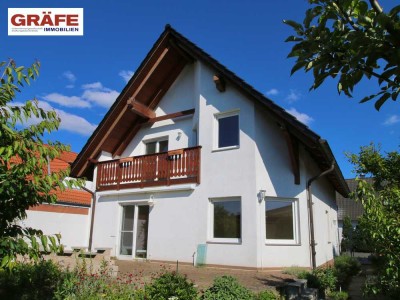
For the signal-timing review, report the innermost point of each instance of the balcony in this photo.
(160, 169)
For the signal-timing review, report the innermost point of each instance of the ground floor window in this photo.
(226, 215)
(281, 221)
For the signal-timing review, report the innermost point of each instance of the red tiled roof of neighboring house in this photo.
(78, 197)
(69, 196)
(68, 156)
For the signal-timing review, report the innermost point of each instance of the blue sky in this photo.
(80, 77)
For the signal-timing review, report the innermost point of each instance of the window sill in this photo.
(282, 243)
(225, 148)
(225, 241)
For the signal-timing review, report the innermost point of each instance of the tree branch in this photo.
(346, 18)
(376, 6)
(372, 73)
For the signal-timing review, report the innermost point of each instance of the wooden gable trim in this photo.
(182, 52)
(293, 149)
(140, 109)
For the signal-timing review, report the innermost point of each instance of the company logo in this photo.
(45, 21)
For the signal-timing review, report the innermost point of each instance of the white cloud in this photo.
(98, 94)
(68, 101)
(302, 117)
(71, 79)
(392, 120)
(71, 122)
(272, 92)
(94, 85)
(126, 74)
(293, 96)
(93, 93)
(103, 98)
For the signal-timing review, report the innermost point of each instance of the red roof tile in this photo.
(74, 197)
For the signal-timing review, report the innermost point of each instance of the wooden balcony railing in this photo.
(166, 168)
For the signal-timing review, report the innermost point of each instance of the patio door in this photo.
(152, 165)
(134, 230)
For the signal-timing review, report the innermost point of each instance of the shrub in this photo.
(322, 279)
(31, 281)
(345, 268)
(169, 285)
(82, 283)
(267, 295)
(227, 288)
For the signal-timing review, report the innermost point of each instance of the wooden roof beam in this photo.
(219, 83)
(170, 116)
(140, 109)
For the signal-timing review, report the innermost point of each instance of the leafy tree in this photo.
(24, 177)
(351, 40)
(347, 235)
(381, 218)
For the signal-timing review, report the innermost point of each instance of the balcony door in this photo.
(134, 230)
(152, 164)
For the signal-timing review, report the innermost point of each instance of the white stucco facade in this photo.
(181, 216)
(73, 227)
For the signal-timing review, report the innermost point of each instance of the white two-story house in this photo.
(191, 163)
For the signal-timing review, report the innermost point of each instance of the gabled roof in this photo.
(155, 75)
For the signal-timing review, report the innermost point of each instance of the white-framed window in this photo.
(281, 221)
(156, 146)
(227, 130)
(226, 220)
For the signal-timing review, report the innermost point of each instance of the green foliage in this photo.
(351, 40)
(347, 235)
(345, 268)
(336, 295)
(227, 288)
(381, 221)
(82, 284)
(169, 285)
(24, 180)
(322, 279)
(267, 295)
(31, 281)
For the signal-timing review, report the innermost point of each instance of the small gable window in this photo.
(227, 135)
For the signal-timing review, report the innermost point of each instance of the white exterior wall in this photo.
(180, 219)
(325, 216)
(74, 228)
(275, 176)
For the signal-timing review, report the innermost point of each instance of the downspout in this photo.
(310, 211)
(92, 217)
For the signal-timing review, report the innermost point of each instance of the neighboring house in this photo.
(349, 207)
(191, 163)
(69, 216)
